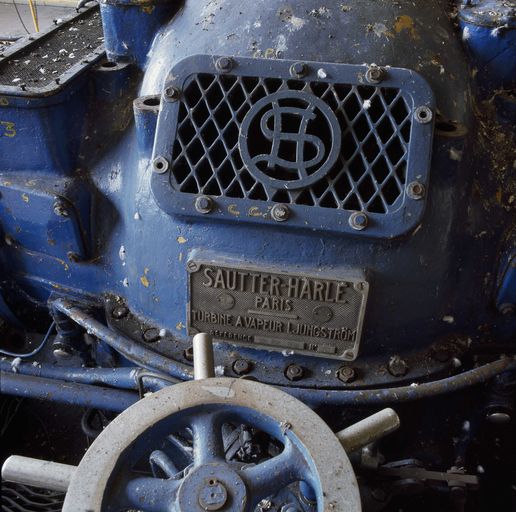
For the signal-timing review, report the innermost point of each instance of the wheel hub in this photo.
(212, 487)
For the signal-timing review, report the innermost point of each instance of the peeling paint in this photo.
(405, 23)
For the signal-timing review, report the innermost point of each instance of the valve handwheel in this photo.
(110, 476)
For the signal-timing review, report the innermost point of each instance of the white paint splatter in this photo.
(466, 34)
(366, 104)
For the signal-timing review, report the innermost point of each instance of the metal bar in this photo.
(27, 386)
(368, 430)
(204, 366)
(133, 351)
(38, 473)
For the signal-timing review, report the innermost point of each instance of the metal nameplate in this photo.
(299, 313)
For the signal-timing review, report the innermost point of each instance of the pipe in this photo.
(136, 353)
(28, 386)
(312, 397)
(204, 367)
(368, 430)
(38, 473)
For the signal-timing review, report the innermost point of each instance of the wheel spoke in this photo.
(207, 438)
(151, 494)
(274, 474)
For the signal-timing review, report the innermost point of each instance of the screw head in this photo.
(280, 212)
(160, 165)
(375, 74)
(298, 69)
(192, 266)
(397, 367)
(151, 335)
(204, 204)
(416, 190)
(119, 312)
(358, 221)
(294, 372)
(423, 114)
(224, 64)
(242, 366)
(346, 374)
(172, 93)
(60, 209)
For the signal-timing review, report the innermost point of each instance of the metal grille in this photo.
(21, 498)
(368, 175)
(47, 58)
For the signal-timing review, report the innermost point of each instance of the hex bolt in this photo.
(60, 209)
(346, 374)
(160, 164)
(416, 190)
(119, 312)
(294, 372)
(188, 354)
(151, 335)
(280, 212)
(397, 367)
(204, 204)
(172, 93)
(242, 366)
(375, 74)
(423, 114)
(298, 70)
(358, 221)
(224, 64)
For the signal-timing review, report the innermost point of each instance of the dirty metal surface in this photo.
(297, 313)
(38, 61)
(325, 143)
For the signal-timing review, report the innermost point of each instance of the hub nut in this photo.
(294, 372)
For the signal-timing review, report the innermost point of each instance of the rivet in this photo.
(358, 220)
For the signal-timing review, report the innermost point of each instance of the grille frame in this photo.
(413, 91)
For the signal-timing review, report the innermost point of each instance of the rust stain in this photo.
(405, 23)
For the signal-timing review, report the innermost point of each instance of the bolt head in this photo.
(242, 366)
(151, 335)
(298, 69)
(358, 221)
(346, 374)
(204, 204)
(188, 354)
(280, 212)
(375, 74)
(224, 64)
(397, 367)
(294, 372)
(119, 312)
(172, 93)
(416, 190)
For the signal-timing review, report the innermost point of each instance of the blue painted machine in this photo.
(325, 191)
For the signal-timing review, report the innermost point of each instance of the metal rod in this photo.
(204, 366)
(28, 386)
(38, 473)
(368, 430)
(131, 350)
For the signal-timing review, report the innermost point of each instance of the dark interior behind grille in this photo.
(369, 175)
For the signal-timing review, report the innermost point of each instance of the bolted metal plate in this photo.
(312, 315)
